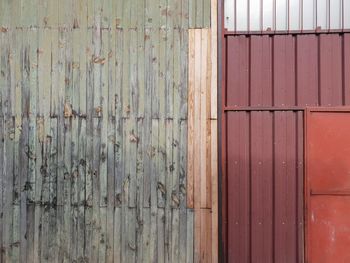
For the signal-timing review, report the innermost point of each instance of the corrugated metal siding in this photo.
(268, 81)
(265, 186)
(286, 15)
(288, 70)
(93, 130)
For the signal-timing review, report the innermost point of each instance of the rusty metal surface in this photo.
(328, 185)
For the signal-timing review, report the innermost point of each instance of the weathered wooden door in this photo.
(327, 188)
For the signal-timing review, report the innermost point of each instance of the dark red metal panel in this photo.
(328, 185)
(238, 71)
(261, 163)
(265, 185)
(268, 82)
(238, 168)
(284, 70)
(330, 75)
(260, 71)
(307, 77)
(288, 70)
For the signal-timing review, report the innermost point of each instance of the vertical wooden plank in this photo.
(146, 237)
(190, 236)
(158, 91)
(153, 188)
(199, 13)
(16, 201)
(185, 14)
(207, 5)
(161, 156)
(45, 192)
(74, 188)
(125, 92)
(38, 141)
(6, 76)
(191, 109)
(82, 175)
(112, 67)
(52, 137)
(8, 188)
(2, 76)
(182, 190)
(206, 235)
(88, 188)
(141, 72)
(23, 160)
(214, 59)
(161, 235)
(197, 143)
(84, 60)
(148, 87)
(118, 186)
(204, 79)
(96, 222)
(2, 176)
(140, 228)
(106, 13)
(44, 76)
(184, 73)
(118, 13)
(103, 147)
(65, 14)
(169, 171)
(133, 138)
(110, 188)
(169, 71)
(30, 185)
(28, 13)
(192, 13)
(163, 14)
(117, 249)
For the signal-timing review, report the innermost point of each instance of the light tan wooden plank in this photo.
(197, 144)
(214, 60)
(190, 155)
(204, 184)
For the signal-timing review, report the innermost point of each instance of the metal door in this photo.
(327, 185)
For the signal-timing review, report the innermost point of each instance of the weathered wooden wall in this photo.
(93, 130)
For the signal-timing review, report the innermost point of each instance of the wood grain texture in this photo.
(95, 163)
(202, 160)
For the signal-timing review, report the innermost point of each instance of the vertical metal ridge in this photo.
(343, 68)
(250, 188)
(296, 68)
(319, 69)
(273, 188)
(273, 70)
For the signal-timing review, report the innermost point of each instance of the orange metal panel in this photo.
(327, 186)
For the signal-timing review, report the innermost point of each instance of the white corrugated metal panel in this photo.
(283, 15)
